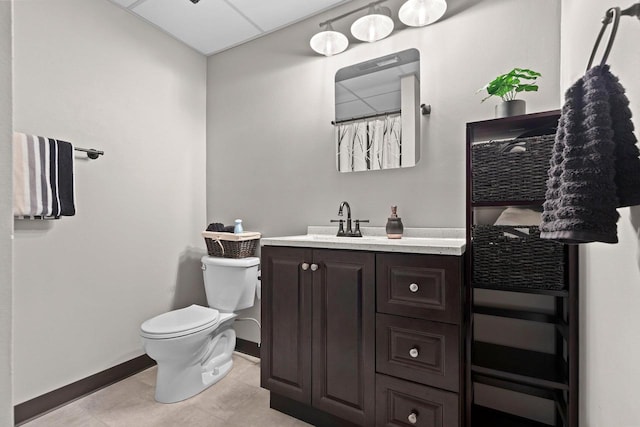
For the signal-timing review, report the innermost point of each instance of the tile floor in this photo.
(236, 401)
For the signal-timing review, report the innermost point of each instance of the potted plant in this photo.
(507, 86)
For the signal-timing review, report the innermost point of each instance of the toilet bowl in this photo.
(193, 346)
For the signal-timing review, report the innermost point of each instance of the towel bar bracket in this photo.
(92, 153)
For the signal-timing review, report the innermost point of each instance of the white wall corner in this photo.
(6, 213)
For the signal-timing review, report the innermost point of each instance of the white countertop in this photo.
(438, 241)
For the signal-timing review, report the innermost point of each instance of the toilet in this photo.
(193, 346)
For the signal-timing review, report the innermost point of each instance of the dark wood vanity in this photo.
(402, 336)
(363, 338)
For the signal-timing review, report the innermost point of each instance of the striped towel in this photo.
(43, 183)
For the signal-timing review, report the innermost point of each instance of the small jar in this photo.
(237, 228)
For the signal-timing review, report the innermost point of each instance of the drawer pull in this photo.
(314, 267)
(305, 266)
(413, 417)
(413, 352)
(413, 287)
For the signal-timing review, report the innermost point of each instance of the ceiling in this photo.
(211, 26)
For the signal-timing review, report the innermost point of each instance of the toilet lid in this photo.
(181, 322)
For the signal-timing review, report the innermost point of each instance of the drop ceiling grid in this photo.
(272, 14)
(212, 26)
(208, 26)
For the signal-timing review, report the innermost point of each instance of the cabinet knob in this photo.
(314, 267)
(413, 418)
(413, 287)
(414, 352)
(305, 266)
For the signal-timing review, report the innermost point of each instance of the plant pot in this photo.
(515, 107)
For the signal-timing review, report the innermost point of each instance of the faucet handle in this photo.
(340, 227)
(357, 232)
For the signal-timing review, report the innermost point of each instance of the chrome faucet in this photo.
(348, 231)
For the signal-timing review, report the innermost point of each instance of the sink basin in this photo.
(377, 243)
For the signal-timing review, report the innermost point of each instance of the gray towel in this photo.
(595, 164)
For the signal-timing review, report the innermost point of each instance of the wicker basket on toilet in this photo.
(231, 245)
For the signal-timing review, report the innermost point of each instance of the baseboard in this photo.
(42, 404)
(248, 347)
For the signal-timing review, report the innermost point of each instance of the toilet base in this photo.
(175, 383)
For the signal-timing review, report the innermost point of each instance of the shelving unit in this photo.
(550, 376)
(487, 417)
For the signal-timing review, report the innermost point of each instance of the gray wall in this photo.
(6, 222)
(93, 74)
(270, 147)
(610, 274)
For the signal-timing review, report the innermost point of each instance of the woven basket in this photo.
(230, 245)
(511, 170)
(506, 256)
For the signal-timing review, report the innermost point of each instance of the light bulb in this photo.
(372, 27)
(329, 42)
(418, 13)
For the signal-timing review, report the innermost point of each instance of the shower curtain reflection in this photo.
(369, 144)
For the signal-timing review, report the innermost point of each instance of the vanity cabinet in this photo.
(363, 338)
(318, 336)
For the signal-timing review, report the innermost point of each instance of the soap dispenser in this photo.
(394, 225)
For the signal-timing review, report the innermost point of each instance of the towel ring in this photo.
(613, 13)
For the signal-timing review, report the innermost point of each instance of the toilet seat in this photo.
(181, 322)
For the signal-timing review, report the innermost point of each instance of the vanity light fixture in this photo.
(374, 26)
(418, 13)
(329, 42)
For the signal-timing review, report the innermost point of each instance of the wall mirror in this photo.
(377, 113)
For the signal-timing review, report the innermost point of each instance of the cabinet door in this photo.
(286, 322)
(344, 335)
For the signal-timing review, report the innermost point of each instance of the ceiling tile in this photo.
(385, 102)
(209, 26)
(272, 14)
(343, 94)
(352, 109)
(373, 84)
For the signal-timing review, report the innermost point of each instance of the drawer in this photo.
(402, 403)
(418, 350)
(423, 286)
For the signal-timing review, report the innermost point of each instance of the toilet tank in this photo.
(230, 283)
